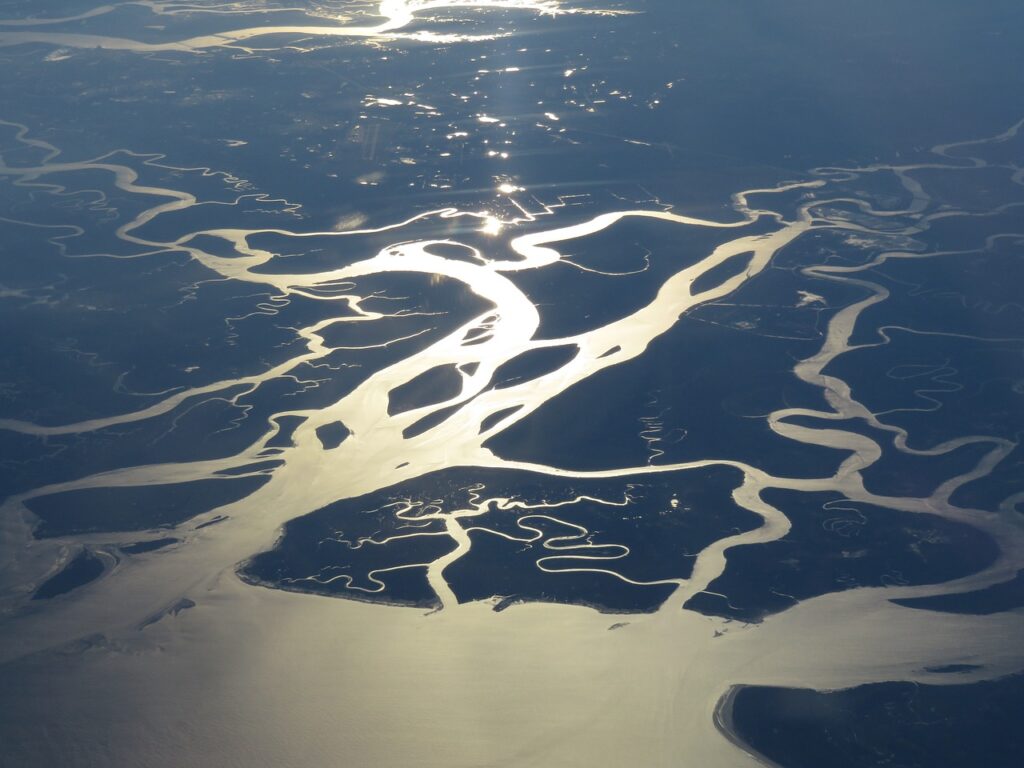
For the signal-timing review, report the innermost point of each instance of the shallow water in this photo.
(507, 383)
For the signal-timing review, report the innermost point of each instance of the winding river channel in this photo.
(370, 421)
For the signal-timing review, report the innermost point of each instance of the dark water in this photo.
(698, 310)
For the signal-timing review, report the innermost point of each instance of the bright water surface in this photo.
(511, 323)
